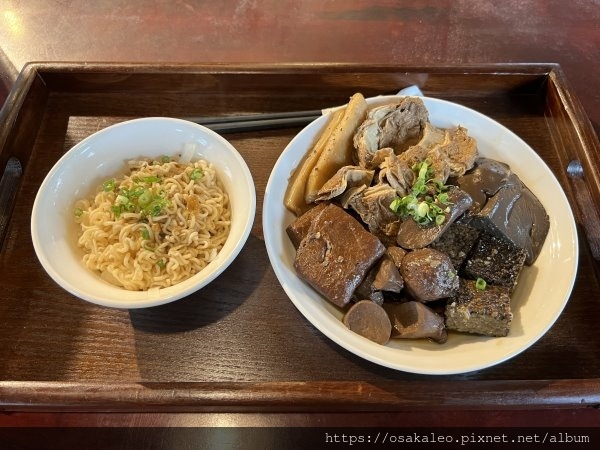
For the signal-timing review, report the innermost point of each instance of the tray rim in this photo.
(294, 396)
(34, 71)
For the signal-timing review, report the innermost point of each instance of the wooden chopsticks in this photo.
(257, 122)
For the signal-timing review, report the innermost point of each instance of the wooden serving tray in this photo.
(240, 344)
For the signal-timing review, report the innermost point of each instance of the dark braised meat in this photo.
(411, 235)
(414, 320)
(428, 275)
(388, 276)
(369, 320)
(336, 254)
(431, 137)
(454, 156)
(396, 254)
(345, 178)
(395, 126)
(397, 173)
(373, 206)
(505, 207)
(383, 277)
(298, 229)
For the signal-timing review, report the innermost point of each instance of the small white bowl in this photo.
(104, 154)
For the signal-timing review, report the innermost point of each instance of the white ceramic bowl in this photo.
(543, 290)
(83, 168)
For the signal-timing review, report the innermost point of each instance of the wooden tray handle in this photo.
(588, 208)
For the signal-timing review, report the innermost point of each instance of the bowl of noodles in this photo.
(143, 213)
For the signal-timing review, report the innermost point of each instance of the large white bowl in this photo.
(84, 167)
(543, 290)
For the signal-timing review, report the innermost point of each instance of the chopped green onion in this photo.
(396, 203)
(443, 198)
(197, 174)
(160, 263)
(480, 284)
(441, 187)
(422, 209)
(78, 212)
(151, 179)
(424, 170)
(155, 207)
(121, 200)
(165, 159)
(145, 234)
(140, 199)
(109, 185)
(145, 198)
(423, 202)
(136, 191)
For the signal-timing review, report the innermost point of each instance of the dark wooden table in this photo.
(418, 33)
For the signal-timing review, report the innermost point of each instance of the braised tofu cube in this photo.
(336, 254)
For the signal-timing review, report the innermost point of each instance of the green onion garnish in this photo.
(145, 198)
(160, 263)
(121, 199)
(197, 174)
(155, 207)
(139, 199)
(136, 191)
(109, 185)
(422, 203)
(480, 284)
(151, 179)
(145, 234)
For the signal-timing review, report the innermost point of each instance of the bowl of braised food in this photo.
(143, 212)
(420, 234)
